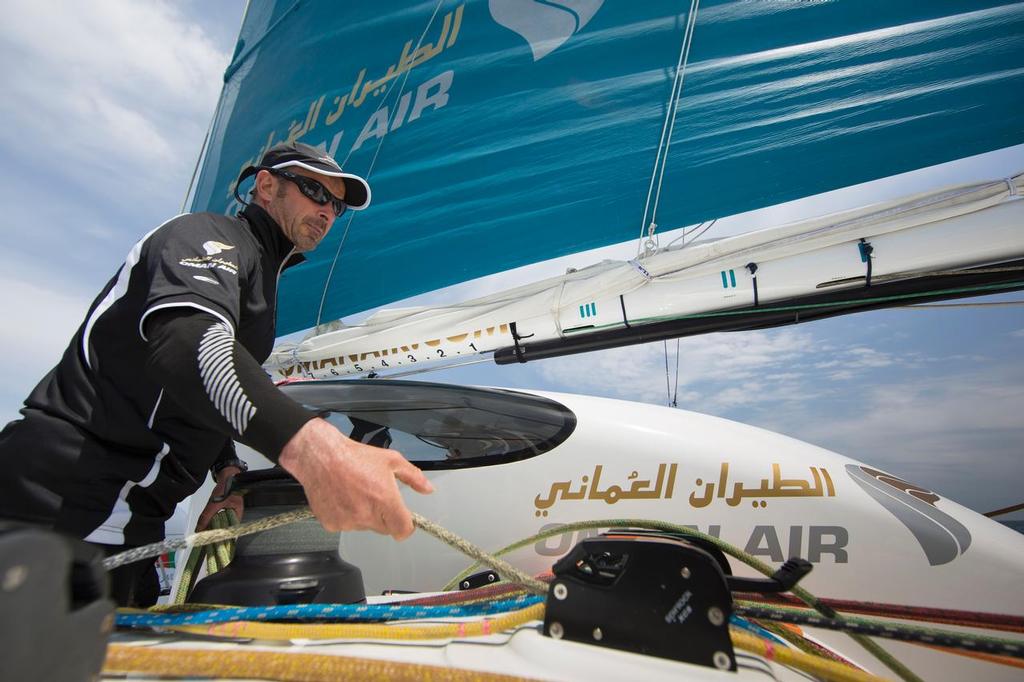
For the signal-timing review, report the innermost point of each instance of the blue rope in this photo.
(744, 624)
(324, 612)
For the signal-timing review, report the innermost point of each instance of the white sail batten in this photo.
(955, 228)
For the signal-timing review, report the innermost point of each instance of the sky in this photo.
(101, 124)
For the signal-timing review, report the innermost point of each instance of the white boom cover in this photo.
(953, 228)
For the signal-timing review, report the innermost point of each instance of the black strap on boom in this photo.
(865, 255)
(752, 267)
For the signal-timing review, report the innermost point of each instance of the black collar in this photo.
(269, 234)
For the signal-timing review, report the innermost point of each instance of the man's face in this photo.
(303, 221)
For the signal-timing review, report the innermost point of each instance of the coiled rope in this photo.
(991, 621)
(878, 628)
(992, 649)
(287, 667)
(815, 665)
(320, 631)
(348, 612)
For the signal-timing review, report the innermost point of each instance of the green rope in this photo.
(188, 575)
(452, 540)
(781, 612)
(875, 649)
(217, 556)
(801, 643)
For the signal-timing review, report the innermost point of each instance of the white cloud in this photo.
(849, 362)
(1019, 334)
(729, 370)
(39, 323)
(106, 90)
(736, 362)
(960, 434)
(104, 110)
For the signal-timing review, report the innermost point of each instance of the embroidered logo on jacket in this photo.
(209, 263)
(212, 248)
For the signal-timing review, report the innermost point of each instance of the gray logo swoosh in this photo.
(545, 24)
(942, 537)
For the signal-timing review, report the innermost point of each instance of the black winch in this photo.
(663, 595)
(55, 616)
(294, 564)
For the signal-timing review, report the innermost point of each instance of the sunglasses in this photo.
(313, 190)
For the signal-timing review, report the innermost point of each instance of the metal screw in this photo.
(722, 660)
(685, 572)
(490, 577)
(716, 616)
(598, 635)
(15, 577)
(465, 584)
(556, 630)
(561, 591)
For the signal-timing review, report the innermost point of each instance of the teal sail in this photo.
(504, 132)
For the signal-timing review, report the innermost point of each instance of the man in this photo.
(165, 371)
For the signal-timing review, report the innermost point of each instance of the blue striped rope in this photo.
(333, 612)
(744, 624)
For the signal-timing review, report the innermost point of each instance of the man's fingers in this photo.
(397, 521)
(410, 475)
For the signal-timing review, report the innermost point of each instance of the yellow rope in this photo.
(809, 663)
(289, 631)
(341, 668)
(285, 667)
(271, 665)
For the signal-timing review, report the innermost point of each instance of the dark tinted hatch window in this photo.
(440, 426)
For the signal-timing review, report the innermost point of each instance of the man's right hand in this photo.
(349, 485)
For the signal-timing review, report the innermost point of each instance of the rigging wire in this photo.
(668, 389)
(675, 394)
(993, 304)
(1005, 510)
(685, 234)
(661, 156)
(672, 395)
(701, 233)
(199, 160)
(373, 161)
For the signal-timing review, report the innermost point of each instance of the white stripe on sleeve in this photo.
(217, 370)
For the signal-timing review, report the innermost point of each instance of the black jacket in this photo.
(162, 374)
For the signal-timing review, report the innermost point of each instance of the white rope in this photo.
(661, 157)
(510, 573)
(688, 41)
